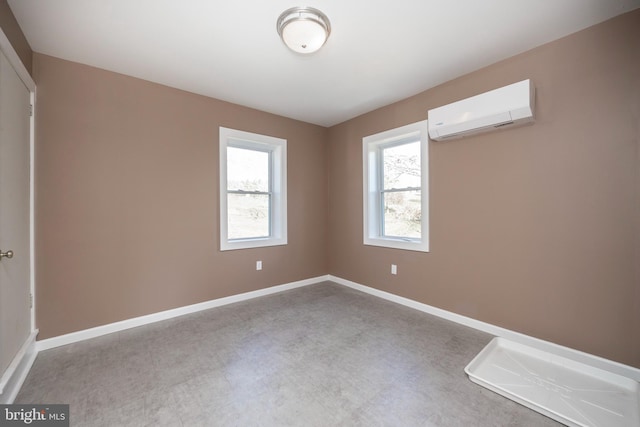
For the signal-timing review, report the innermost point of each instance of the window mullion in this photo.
(397, 190)
(380, 192)
(270, 188)
(249, 192)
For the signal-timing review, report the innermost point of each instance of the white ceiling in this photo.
(380, 51)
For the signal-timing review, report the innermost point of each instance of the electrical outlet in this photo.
(258, 265)
(394, 269)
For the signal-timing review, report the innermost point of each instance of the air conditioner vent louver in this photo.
(500, 108)
(503, 124)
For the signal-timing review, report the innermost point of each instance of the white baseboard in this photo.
(168, 314)
(579, 356)
(586, 358)
(16, 373)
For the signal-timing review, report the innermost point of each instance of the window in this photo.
(396, 188)
(253, 190)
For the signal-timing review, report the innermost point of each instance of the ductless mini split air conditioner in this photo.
(504, 107)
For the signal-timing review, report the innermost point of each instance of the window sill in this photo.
(251, 243)
(408, 245)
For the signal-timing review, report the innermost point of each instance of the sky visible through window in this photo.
(248, 214)
(402, 206)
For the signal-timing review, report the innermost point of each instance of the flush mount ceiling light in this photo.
(303, 29)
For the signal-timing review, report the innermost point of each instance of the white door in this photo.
(15, 286)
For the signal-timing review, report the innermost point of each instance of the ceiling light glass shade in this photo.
(303, 29)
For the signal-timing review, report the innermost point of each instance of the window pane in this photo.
(247, 170)
(402, 214)
(248, 215)
(401, 165)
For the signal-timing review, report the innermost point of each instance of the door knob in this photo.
(8, 254)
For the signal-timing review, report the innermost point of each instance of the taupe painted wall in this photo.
(536, 229)
(127, 199)
(15, 35)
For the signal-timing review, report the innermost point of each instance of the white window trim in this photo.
(371, 201)
(278, 226)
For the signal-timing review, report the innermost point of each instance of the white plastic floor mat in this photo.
(570, 392)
